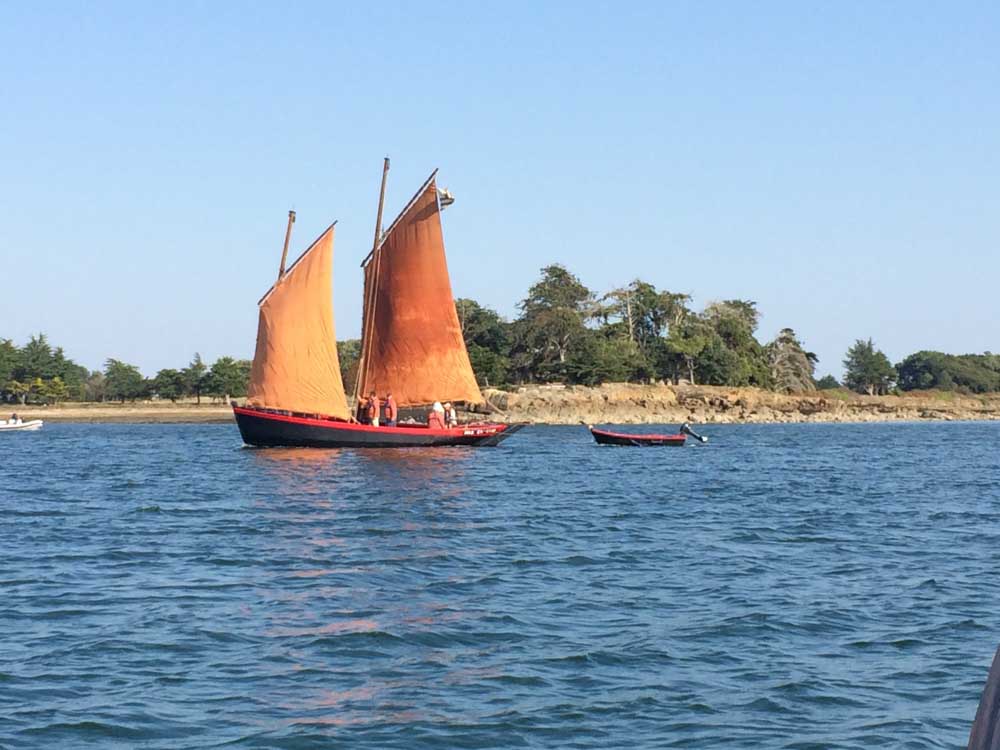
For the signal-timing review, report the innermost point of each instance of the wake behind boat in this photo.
(411, 346)
(608, 437)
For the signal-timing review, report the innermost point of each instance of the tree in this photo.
(228, 377)
(122, 381)
(971, 373)
(827, 382)
(553, 319)
(69, 372)
(487, 339)
(792, 367)
(717, 364)
(18, 390)
(35, 360)
(867, 370)
(94, 387)
(598, 358)
(684, 345)
(194, 377)
(168, 384)
(348, 354)
(54, 390)
(9, 356)
(734, 322)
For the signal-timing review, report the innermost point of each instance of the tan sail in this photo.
(295, 366)
(412, 342)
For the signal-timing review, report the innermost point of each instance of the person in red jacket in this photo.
(391, 411)
(435, 419)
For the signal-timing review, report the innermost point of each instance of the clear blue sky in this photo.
(839, 163)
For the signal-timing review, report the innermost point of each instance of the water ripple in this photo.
(814, 586)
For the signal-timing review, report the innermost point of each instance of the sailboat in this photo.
(411, 346)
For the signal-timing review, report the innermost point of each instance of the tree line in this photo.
(40, 373)
(565, 333)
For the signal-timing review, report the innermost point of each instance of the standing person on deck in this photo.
(373, 409)
(450, 415)
(391, 412)
(435, 419)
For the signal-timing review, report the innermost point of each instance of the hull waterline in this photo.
(268, 429)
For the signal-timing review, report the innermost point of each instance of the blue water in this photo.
(815, 586)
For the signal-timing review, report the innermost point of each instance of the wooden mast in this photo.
(369, 306)
(284, 250)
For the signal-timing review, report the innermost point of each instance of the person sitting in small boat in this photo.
(391, 412)
(435, 419)
(450, 415)
(373, 409)
(14, 419)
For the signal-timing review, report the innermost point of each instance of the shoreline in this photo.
(611, 403)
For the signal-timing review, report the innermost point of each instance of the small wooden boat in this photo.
(607, 437)
(34, 424)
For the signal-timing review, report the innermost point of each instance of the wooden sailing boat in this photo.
(411, 343)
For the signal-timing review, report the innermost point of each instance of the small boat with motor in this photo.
(411, 343)
(607, 437)
(17, 425)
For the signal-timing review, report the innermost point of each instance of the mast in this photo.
(284, 250)
(381, 203)
(369, 300)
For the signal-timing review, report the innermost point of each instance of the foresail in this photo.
(413, 342)
(295, 365)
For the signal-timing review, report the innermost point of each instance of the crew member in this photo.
(362, 415)
(390, 410)
(450, 415)
(373, 409)
(435, 418)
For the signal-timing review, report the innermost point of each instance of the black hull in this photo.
(268, 429)
(603, 437)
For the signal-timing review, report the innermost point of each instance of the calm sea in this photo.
(815, 586)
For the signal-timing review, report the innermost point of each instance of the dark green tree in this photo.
(553, 320)
(9, 356)
(487, 338)
(228, 377)
(734, 323)
(194, 377)
(684, 346)
(867, 369)
(169, 384)
(827, 382)
(348, 353)
(599, 358)
(123, 381)
(35, 360)
(968, 373)
(70, 373)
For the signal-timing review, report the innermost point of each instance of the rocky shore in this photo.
(612, 403)
(624, 403)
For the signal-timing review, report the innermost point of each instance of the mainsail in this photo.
(295, 366)
(412, 342)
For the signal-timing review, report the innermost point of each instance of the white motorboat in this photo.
(12, 426)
